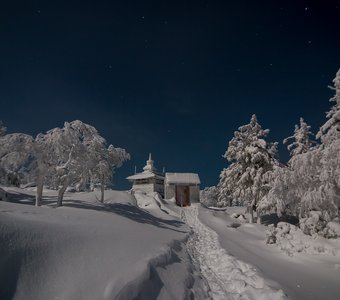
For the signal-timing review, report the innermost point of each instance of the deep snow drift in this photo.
(88, 250)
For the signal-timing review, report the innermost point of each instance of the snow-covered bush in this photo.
(314, 224)
(208, 196)
(291, 239)
(252, 160)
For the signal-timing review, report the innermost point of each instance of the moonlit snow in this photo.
(139, 247)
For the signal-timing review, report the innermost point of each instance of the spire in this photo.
(149, 165)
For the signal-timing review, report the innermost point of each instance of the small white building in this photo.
(149, 180)
(184, 187)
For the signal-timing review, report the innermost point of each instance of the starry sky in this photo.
(175, 78)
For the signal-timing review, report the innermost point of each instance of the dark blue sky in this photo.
(175, 78)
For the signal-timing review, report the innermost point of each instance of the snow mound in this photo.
(228, 278)
(291, 239)
(240, 217)
(113, 250)
(153, 203)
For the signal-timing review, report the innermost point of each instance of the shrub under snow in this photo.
(208, 196)
(291, 239)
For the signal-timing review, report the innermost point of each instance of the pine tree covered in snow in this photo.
(309, 187)
(302, 141)
(252, 159)
(330, 131)
(282, 197)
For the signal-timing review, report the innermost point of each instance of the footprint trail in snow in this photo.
(228, 278)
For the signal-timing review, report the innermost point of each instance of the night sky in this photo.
(175, 78)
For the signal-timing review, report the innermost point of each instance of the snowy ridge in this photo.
(227, 277)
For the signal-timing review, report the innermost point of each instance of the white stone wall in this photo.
(146, 188)
(194, 194)
(170, 191)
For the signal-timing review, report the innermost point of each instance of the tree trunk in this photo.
(61, 193)
(38, 196)
(102, 189)
(251, 214)
(258, 217)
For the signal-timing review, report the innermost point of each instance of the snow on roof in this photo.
(144, 175)
(188, 178)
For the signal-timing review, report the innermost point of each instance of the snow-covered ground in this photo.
(88, 250)
(302, 276)
(137, 247)
(228, 277)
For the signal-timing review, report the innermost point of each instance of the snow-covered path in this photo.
(227, 277)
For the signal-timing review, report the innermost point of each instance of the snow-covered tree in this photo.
(330, 131)
(16, 158)
(309, 188)
(70, 154)
(107, 162)
(208, 196)
(301, 140)
(252, 158)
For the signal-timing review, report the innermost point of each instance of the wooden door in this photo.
(182, 195)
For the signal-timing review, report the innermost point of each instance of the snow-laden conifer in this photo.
(252, 158)
(301, 139)
(309, 188)
(330, 131)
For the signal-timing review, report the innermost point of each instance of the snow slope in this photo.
(303, 276)
(87, 250)
(227, 277)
